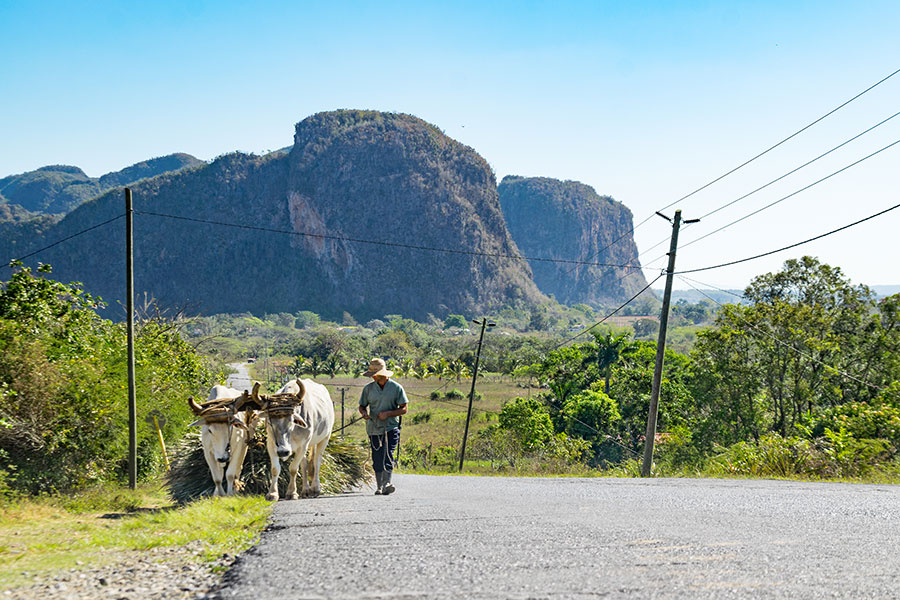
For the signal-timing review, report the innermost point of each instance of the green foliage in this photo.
(806, 342)
(591, 415)
(528, 421)
(63, 415)
(454, 394)
(306, 320)
(456, 321)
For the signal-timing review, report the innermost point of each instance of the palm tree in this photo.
(608, 350)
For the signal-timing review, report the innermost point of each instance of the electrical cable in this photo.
(65, 239)
(782, 199)
(564, 342)
(745, 163)
(762, 187)
(812, 239)
(383, 243)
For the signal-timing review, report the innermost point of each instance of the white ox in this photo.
(224, 434)
(304, 426)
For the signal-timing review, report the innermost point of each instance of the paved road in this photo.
(468, 537)
(241, 379)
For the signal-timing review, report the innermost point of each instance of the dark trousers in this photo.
(384, 448)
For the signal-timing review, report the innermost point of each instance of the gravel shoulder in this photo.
(155, 574)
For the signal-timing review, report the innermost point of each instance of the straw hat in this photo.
(377, 367)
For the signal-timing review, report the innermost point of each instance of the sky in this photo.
(644, 101)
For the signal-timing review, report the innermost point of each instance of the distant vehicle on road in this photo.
(251, 360)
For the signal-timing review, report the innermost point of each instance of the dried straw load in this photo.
(344, 468)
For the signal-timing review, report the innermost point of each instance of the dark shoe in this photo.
(388, 489)
(378, 492)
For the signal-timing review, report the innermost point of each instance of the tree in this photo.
(807, 340)
(528, 421)
(455, 321)
(607, 353)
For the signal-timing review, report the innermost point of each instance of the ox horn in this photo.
(241, 400)
(194, 406)
(255, 395)
(299, 395)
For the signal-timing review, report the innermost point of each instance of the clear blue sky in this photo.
(643, 101)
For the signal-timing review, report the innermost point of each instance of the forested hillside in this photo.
(58, 189)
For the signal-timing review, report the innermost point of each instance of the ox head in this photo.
(282, 411)
(218, 421)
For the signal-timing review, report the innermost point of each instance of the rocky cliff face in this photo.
(568, 220)
(340, 223)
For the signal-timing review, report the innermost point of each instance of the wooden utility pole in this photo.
(661, 347)
(462, 453)
(129, 305)
(343, 390)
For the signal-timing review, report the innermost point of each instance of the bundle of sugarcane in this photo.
(344, 469)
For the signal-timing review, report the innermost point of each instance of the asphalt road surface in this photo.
(241, 379)
(473, 537)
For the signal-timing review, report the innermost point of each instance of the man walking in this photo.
(381, 404)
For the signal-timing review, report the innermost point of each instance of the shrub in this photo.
(422, 417)
(454, 394)
(63, 418)
(527, 420)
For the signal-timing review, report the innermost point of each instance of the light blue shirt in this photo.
(379, 399)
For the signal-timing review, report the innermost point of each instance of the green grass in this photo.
(54, 533)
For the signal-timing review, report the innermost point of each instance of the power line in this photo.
(762, 187)
(65, 239)
(747, 162)
(770, 148)
(812, 239)
(383, 243)
(792, 194)
(783, 343)
(564, 342)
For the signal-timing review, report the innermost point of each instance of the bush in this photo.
(454, 394)
(63, 376)
(837, 454)
(422, 417)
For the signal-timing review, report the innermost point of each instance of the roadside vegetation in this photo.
(797, 378)
(104, 524)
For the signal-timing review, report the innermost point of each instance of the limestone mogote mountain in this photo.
(342, 222)
(57, 189)
(568, 220)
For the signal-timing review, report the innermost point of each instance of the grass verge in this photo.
(43, 535)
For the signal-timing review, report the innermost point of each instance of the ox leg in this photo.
(216, 470)
(299, 460)
(318, 453)
(233, 474)
(274, 472)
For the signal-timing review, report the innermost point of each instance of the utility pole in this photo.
(484, 323)
(342, 390)
(129, 306)
(650, 436)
